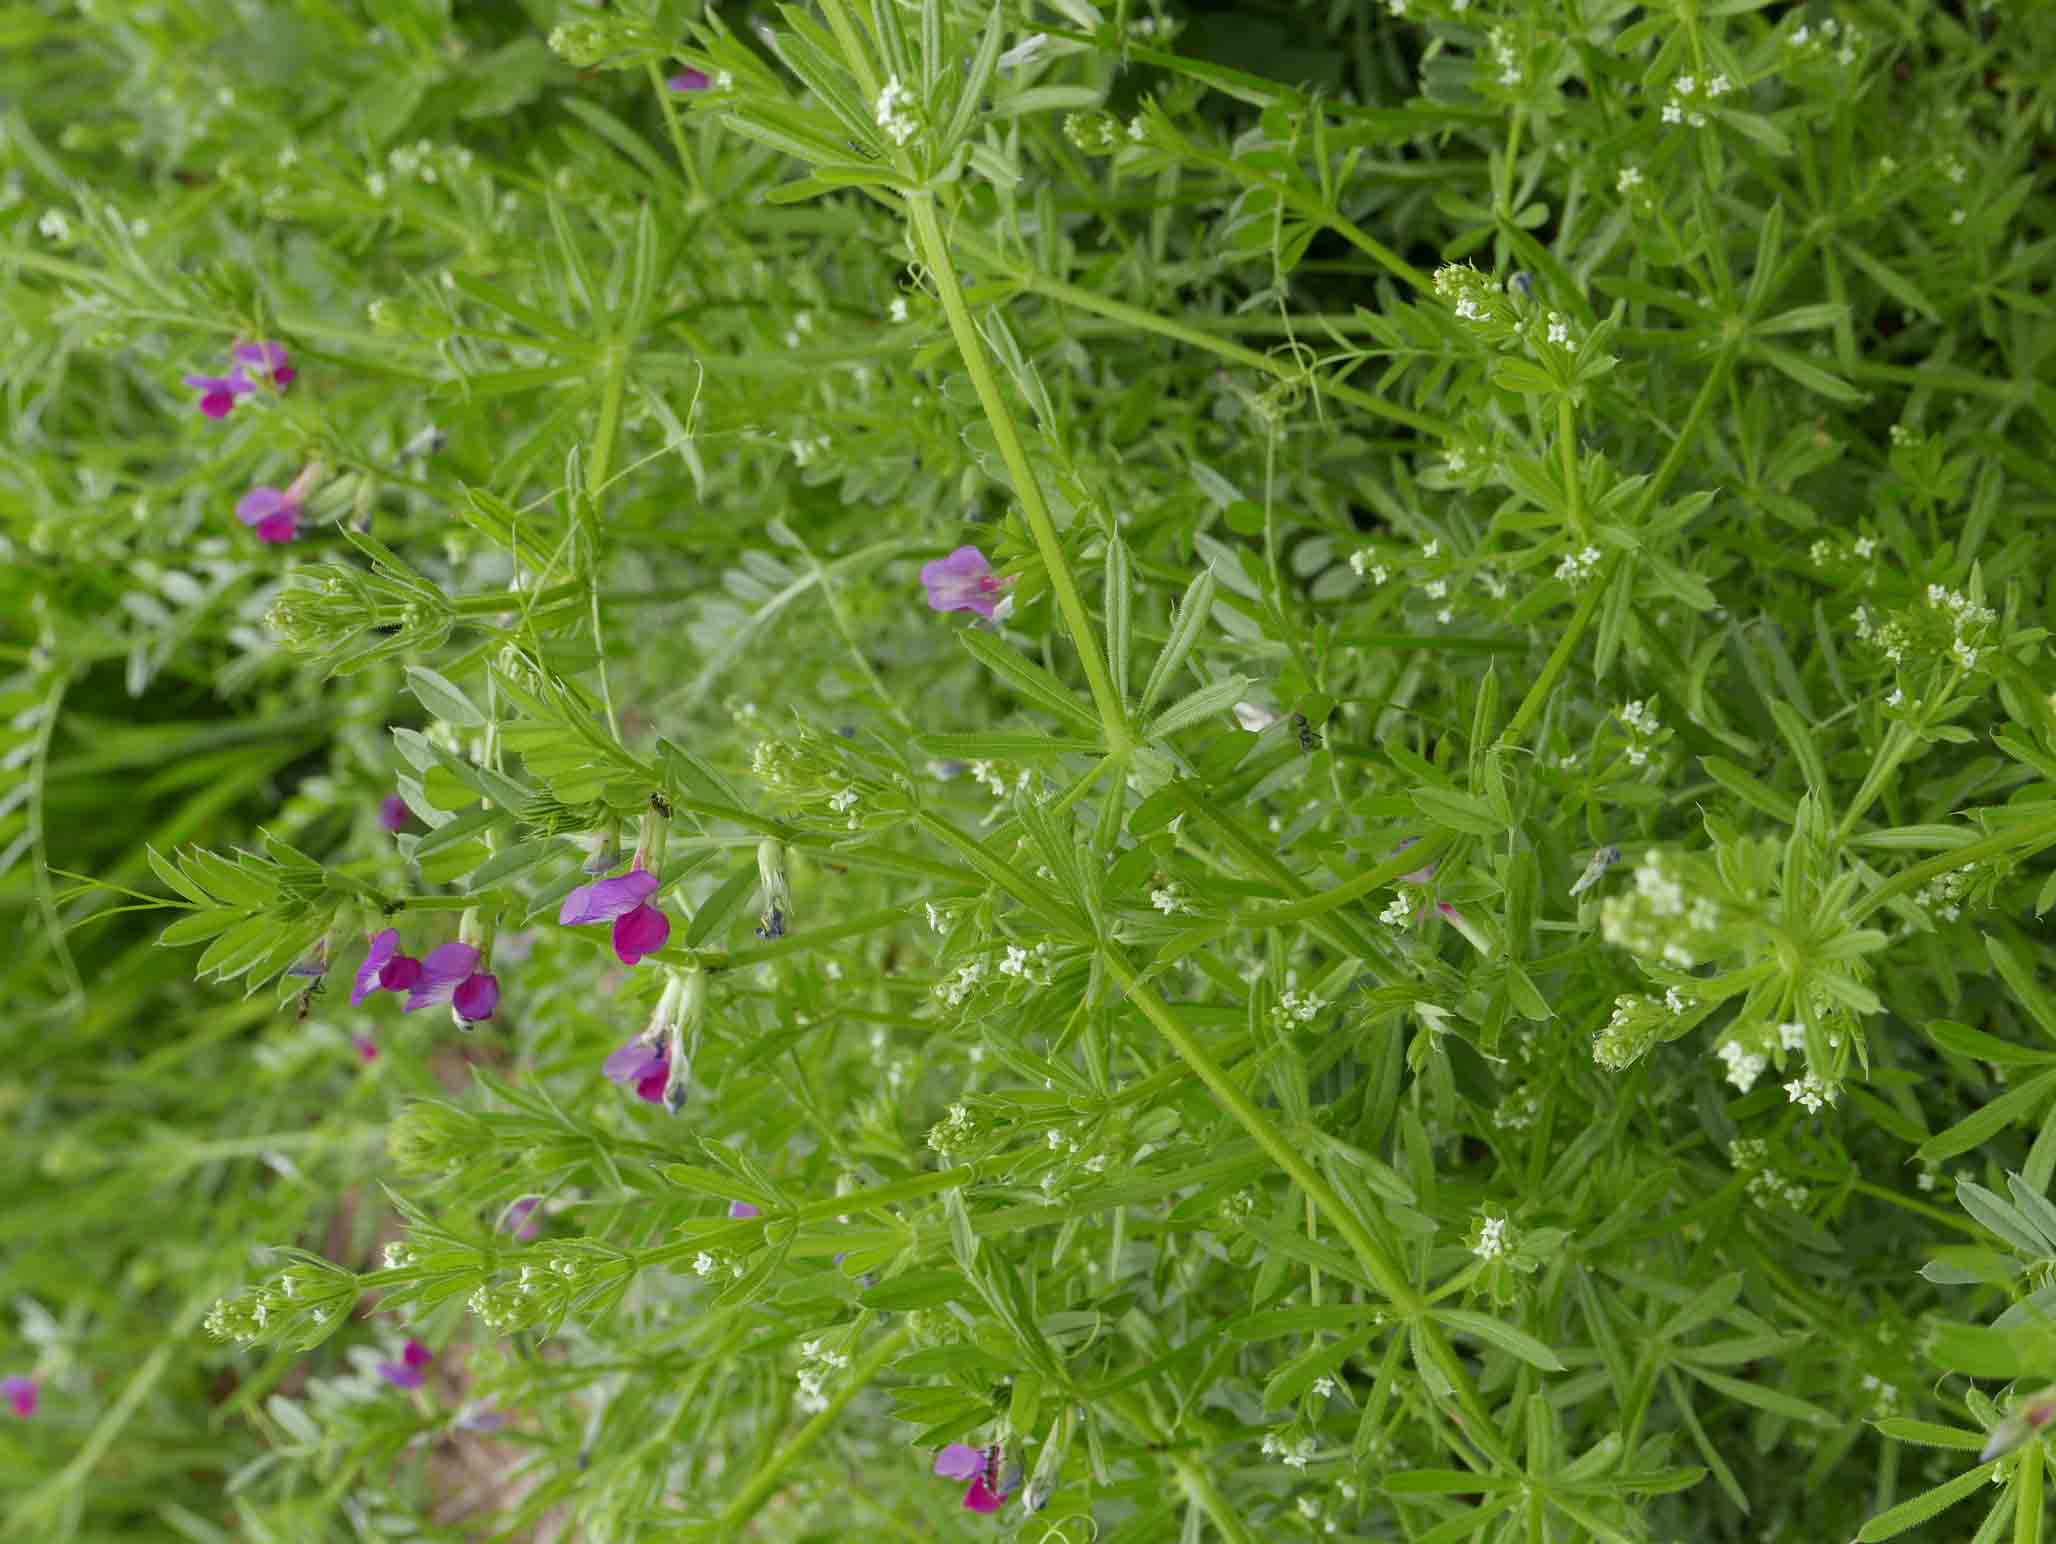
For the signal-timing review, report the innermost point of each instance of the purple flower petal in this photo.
(407, 1372)
(960, 1461)
(399, 973)
(521, 1220)
(641, 1066)
(961, 582)
(606, 899)
(393, 813)
(219, 392)
(476, 997)
(442, 971)
(383, 947)
(689, 80)
(740, 1209)
(272, 356)
(640, 932)
(279, 528)
(22, 1393)
(980, 1498)
(367, 1048)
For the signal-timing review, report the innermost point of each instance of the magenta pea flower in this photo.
(962, 581)
(273, 513)
(407, 1372)
(689, 79)
(268, 357)
(218, 393)
(385, 969)
(450, 974)
(393, 812)
(639, 927)
(21, 1393)
(960, 1461)
(642, 1066)
(2035, 1412)
(740, 1209)
(521, 1220)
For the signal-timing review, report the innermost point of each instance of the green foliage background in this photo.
(1431, 449)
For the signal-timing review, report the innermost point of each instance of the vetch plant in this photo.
(1453, 950)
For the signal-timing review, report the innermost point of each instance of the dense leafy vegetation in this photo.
(893, 770)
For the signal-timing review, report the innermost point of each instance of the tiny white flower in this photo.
(1672, 113)
(1559, 329)
(1792, 1037)
(1491, 1242)
(1865, 546)
(1323, 1387)
(1166, 900)
(1629, 179)
(899, 308)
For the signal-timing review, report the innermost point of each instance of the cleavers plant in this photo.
(1271, 772)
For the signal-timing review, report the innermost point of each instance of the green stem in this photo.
(2027, 1513)
(1567, 433)
(935, 253)
(1559, 658)
(2027, 834)
(1897, 743)
(1149, 321)
(1384, 1272)
(765, 1480)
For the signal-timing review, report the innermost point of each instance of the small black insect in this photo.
(1308, 740)
(661, 805)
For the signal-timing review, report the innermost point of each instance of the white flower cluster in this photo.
(1398, 912)
(1689, 95)
(1517, 1111)
(420, 160)
(993, 779)
(1364, 564)
(54, 226)
(1469, 293)
(1293, 1454)
(960, 983)
(954, 1134)
(1167, 900)
(1943, 895)
(895, 112)
(1829, 35)
(1643, 727)
(816, 1363)
(1630, 178)
(1578, 567)
(1658, 918)
(1765, 1186)
(1812, 1091)
(1744, 1065)
(1504, 58)
(1491, 1244)
(1624, 1038)
(1292, 1008)
(1030, 965)
(1967, 620)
